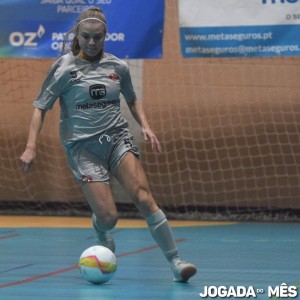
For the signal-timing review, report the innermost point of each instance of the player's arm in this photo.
(137, 111)
(36, 125)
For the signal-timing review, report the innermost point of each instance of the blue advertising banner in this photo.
(235, 28)
(36, 28)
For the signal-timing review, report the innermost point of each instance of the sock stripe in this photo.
(157, 217)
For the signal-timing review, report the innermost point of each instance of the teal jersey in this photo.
(89, 95)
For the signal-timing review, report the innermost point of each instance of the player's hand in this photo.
(27, 159)
(150, 136)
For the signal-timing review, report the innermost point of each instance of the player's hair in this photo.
(93, 12)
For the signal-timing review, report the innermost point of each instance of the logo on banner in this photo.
(97, 91)
(26, 39)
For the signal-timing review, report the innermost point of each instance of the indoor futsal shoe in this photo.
(182, 270)
(104, 239)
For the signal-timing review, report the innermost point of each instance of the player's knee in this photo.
(145, 202)
(107, 221)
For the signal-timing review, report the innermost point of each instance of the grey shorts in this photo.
(95, 158)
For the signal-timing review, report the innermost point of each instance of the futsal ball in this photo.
(97, 264)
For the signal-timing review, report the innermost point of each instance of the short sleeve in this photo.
(50, 90)
(126, 84)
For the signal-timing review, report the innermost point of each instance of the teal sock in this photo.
(162, 233)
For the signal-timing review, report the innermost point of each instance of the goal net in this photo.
(229, 129)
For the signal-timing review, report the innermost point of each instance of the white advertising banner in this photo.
(236, 28)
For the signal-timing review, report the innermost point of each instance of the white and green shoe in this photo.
(182, 270)
(104, 238)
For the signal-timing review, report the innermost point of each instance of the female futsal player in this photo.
(96, 136)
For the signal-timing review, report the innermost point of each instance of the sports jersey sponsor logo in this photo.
(97, 91)
(100, 105)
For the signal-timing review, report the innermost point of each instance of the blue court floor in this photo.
(41, 263)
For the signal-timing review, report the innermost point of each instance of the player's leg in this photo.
(131, 175)
(93, 178)
(105, 216)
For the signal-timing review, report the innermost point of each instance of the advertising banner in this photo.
(238, 28)
(36, 28)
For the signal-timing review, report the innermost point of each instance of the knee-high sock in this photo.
(162, 233)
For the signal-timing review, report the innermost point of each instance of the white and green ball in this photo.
(97, 264)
